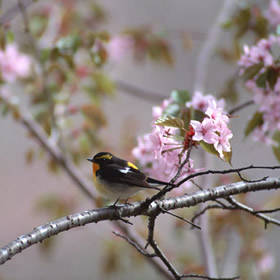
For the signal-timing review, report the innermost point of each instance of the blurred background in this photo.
(31, 195)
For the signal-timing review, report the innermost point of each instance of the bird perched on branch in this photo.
(116, 178)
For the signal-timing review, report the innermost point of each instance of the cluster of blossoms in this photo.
(213, 129)
(160, 151)
(14, 64)
(265, 85)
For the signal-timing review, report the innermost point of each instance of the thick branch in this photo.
(129, 210)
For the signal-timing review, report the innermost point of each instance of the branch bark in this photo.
(129, 210)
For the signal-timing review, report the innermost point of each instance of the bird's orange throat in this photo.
(95, 167)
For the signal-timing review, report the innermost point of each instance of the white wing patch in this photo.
(125, 170)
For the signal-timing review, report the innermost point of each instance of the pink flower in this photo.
(216, 114)
(199, 101)
(259, 135)
(158, 110)
(273, 13)
(156, 138)
(204, 131)
(144, 151)
(222, 143)
(13, 64)
(119, 46)
(266, 263)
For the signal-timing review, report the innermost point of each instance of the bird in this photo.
(116, 178)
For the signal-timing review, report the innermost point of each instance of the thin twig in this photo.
(240, 107)
(180, 218)
(251, 181)
(12, 12)
(226, 171)
(135, 245)
(201, 212)
(250, 210)
(157, 250)
(207, 277)
(268, 210)
(139, 92)
(135, 238)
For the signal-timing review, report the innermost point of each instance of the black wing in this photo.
(126, 175)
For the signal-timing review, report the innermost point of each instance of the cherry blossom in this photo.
(222, 143)
(199, 101)
(158, 110)
(273, 13)
(119, 46)
(204, 130)
(14, 64)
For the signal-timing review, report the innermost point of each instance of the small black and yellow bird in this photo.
(116, 178)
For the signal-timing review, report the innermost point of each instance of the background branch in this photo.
(140, 92)
(209, 45)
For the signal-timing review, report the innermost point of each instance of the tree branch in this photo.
(240, 107)
(135, 245)
(139, 92)
(210, 44)
(151, 241)
(14, 10)
(250, 210)
(129, 210)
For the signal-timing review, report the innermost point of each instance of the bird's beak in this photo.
(90, 159)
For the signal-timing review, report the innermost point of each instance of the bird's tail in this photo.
(157, 182)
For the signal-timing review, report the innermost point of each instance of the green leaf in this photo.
(261, 27)
(4, 109)
(228, 156)
(102, 84)
(255, 121)
(10, 36)
(185, 115)
(198, 115)
(278, 29)
(227, 24)
(68, 44)
(170, 121)
(172, 110)
(242, 21)
(45, 55)
(180, 96)
(276, 149)
(209, 148)
(252, 71)
(272, 76)
(261, 80)
(94, 115)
